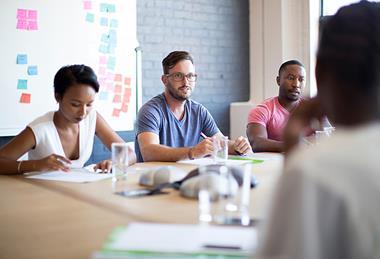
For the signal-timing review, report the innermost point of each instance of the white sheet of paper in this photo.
(175, 238)
(75, 175)
(210, 161)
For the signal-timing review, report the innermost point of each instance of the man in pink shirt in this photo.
(267, 120)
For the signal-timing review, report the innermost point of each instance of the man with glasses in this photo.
(170, 125)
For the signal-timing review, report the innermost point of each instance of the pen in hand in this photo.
(203, 135)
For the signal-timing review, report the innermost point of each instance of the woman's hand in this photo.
(52, 162)
(104, 165)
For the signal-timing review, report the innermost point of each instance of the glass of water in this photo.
(119, 165)
(220, 145)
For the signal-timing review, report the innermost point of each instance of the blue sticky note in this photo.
(32, 70)
(103, 21)
(111, 63)
(103, 96)
(111, 8)
(114, 23)
(103, 49)
(22, 59)
(104, 7)
(90, 17)
(104, 38)
(22, 84)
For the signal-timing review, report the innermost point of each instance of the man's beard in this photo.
(177, 96)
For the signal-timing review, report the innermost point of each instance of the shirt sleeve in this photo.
(148, 119)
(307, 220)
(209, 126)
(260, 114)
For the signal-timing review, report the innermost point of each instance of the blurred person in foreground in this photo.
(326, 205)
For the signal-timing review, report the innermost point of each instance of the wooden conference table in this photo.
(49, 219)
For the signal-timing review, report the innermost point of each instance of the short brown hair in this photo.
(173, 58)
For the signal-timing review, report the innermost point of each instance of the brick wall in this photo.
(215, 32)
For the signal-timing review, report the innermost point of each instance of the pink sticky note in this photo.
(25, 98)
(21, 13)
(32, 25)
(103, 60)
(102, 71)
(110, 76)
(32, 14)
(118, 77)
(109, 86)
(22, 24)
(124, 107)
(117, 89)
(87, 5)
(127, 81)
(117, 98)
(116, 113)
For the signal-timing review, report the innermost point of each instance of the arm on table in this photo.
(258, 138)
(151, 150)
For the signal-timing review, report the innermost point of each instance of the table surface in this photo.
(54, 219)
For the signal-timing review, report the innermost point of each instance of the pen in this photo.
(216, 246)
(203, 135)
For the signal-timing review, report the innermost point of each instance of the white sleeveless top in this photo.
(48, 141)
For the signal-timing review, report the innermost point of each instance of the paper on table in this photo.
(75, 175)
(188, 239)
(209, 161)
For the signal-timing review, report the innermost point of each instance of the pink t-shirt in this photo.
(271, 115)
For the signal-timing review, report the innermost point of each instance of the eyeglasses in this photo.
(178, 76)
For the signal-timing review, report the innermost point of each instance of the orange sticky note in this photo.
(117, 98)
(118, 77)
(25, 98)
(116, 112)
(127, 81)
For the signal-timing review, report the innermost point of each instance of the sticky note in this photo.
(90, 17)
(25, 98)
(109, 86)
(114, 23)
(111, 8)
(22, 24)
(127, 81)
(103, 21)
(32, 14)
(103, 49)
(111, 63)
(117, 89)
(21, 13)
(87, 5)
(22, 59)
(102, 60)
(117, 98)
(102, 71)
(110, 76)
(118, 77)
(103, 95)
(32, 25)
(102, 81)
(32, 70)
(22, 84)
(124, 107)
(116, 112)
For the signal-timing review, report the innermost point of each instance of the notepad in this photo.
(77, 175)
(177, 239)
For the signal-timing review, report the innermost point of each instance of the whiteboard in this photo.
(38, 37)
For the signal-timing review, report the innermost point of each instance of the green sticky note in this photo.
(22, 84)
